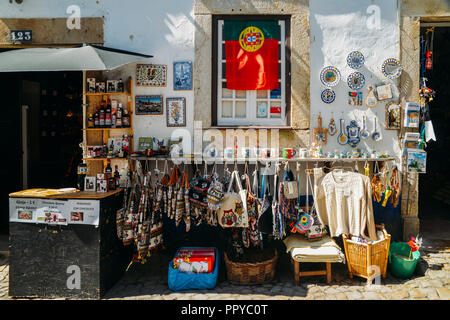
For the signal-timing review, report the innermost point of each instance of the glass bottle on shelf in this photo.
(101, 117)
(108, 171)
(91, 121)
(119, 116)
(117, 176)
(108, 114)
(97, 118)
(125, 119)
(120, 87)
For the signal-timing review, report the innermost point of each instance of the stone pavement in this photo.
(149, 282)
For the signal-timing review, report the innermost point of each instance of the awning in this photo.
(66, 59)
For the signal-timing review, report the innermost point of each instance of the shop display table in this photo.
(320, 251)
(65, 244)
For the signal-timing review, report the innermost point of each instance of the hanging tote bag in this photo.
(287, 205)
(290, 186)
(233, 211)
(252, 235)
(265, 220)
(180, 209)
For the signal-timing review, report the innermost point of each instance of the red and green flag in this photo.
(251, 50)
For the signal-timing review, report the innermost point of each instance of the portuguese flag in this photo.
(251, 50)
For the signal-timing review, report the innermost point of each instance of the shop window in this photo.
(250, 107)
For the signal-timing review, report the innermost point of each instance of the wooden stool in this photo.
(299, 274)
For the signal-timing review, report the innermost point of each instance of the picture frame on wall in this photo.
(393, 116)
(149, 105)
(176, 112)
(151, 75)
(182, 75)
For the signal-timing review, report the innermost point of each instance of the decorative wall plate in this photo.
(355, 60)
(392, 68)
(356, 80)
(328, 96)
(353, 134)
(330, 76)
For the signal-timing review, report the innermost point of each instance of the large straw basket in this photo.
(251, 273)
(367, 260)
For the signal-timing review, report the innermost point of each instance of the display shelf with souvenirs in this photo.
(108, 121)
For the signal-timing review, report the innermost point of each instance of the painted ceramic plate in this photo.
(330, 76)
(356, 80)
(328, 96)
(355, 60)
(392, 68)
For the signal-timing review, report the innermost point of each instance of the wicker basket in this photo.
(367, 260)
(251, 273)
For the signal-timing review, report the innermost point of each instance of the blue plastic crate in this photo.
(184, 281)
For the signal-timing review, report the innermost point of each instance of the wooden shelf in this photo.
(103, 129)
(88, 159)
(107, 94)
(242, 160)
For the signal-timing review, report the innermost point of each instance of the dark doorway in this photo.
(41, 129)
(434, 186)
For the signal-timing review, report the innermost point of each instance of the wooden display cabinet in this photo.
(100, 136)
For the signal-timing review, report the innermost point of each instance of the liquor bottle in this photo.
(119, 116)
(101, 117)
(125, 145)
(108, 114)
(97, 118)
(111, 182)
(117, 176)
(82, 170)
(91, 121)
(108, 171)
(113, 114)
(125, 119)
(120, 87)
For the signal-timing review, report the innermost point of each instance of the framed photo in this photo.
(176, 112)
(151, 75)
(393, 116)
(182, 75)
(149, 105)
(90, 184)
(145, 143)
(417, 161)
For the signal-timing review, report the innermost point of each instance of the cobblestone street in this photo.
(149, 282)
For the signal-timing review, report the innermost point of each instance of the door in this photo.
(11, 146)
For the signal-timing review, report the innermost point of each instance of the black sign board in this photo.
(22, 36)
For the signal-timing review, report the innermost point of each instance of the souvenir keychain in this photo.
(319, 133)
(388, 190)
(332, 126)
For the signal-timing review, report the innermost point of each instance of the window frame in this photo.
(269, 122)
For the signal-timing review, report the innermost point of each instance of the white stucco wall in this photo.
(163, 29)
(338, 28)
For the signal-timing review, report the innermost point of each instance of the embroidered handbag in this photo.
(233, 211)
(252, 235)
(290, 187)
(287, 206)
(180, 210)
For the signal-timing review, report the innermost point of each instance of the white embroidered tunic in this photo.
(344, 203)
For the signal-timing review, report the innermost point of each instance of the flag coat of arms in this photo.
(251, 52)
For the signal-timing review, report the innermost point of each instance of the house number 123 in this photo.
(21, 35)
